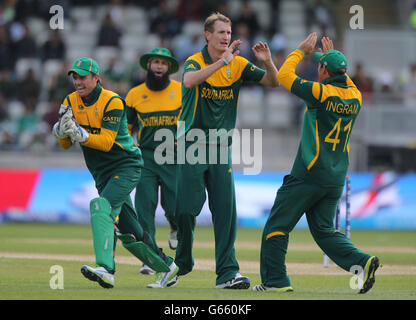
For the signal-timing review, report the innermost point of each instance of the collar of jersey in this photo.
(93, 96)
(206, 55)
(338, 81)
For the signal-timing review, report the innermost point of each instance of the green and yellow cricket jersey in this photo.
(332, 107)
(109, 146)
(213, 103)
(153, 110)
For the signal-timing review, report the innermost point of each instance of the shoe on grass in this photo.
(262, 287)
(145, 269)
(369, 274)
(165, 278)
(100, 275)
(238, 282)
(173, 282)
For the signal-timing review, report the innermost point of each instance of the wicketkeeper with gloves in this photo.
(96, 118)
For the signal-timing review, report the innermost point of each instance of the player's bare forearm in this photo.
(270, 78)
(262, 52)
(194, 78)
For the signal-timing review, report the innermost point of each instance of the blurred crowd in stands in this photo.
(33, 75)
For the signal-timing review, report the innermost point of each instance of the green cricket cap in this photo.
(160, 53)
(85, 66)
(332, 59)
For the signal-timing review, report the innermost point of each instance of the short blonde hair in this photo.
(214, 17)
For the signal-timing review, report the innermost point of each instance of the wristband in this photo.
(225, 61)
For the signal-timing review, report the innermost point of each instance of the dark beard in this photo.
(155, 83)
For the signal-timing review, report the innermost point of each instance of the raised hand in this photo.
(262, 52)
(326, 44)
(308, 45)
(229, 54)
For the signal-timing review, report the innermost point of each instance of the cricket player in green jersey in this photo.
(96, 118)
(153, 106)
(210, 87)
(316, 181)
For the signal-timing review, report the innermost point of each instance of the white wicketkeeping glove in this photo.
(66, 115)
(58, 132)
(64, 109)
(73, 130)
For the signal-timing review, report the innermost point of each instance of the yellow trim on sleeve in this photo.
(276, 233)
(317, 147)
(316, 90)
(196, 102)
(119, 145)
(286, 74)
(139, 134)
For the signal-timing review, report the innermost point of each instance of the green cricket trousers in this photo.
(294, 198)
(217, 180)
(116, 190)
(146, 199)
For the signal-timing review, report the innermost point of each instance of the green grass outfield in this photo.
(28, 251)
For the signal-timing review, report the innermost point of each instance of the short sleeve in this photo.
(191, 66)
(113, 114)
(309, 91)
(252, 73)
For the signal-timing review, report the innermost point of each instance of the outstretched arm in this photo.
(262, 52)
(287, 75)
(306, 90)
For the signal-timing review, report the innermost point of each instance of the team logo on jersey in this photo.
(190, 66)
(81, 107)
(144, 96)
(172, 95)
(111, 119)
(253, 68)
(228, 73)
